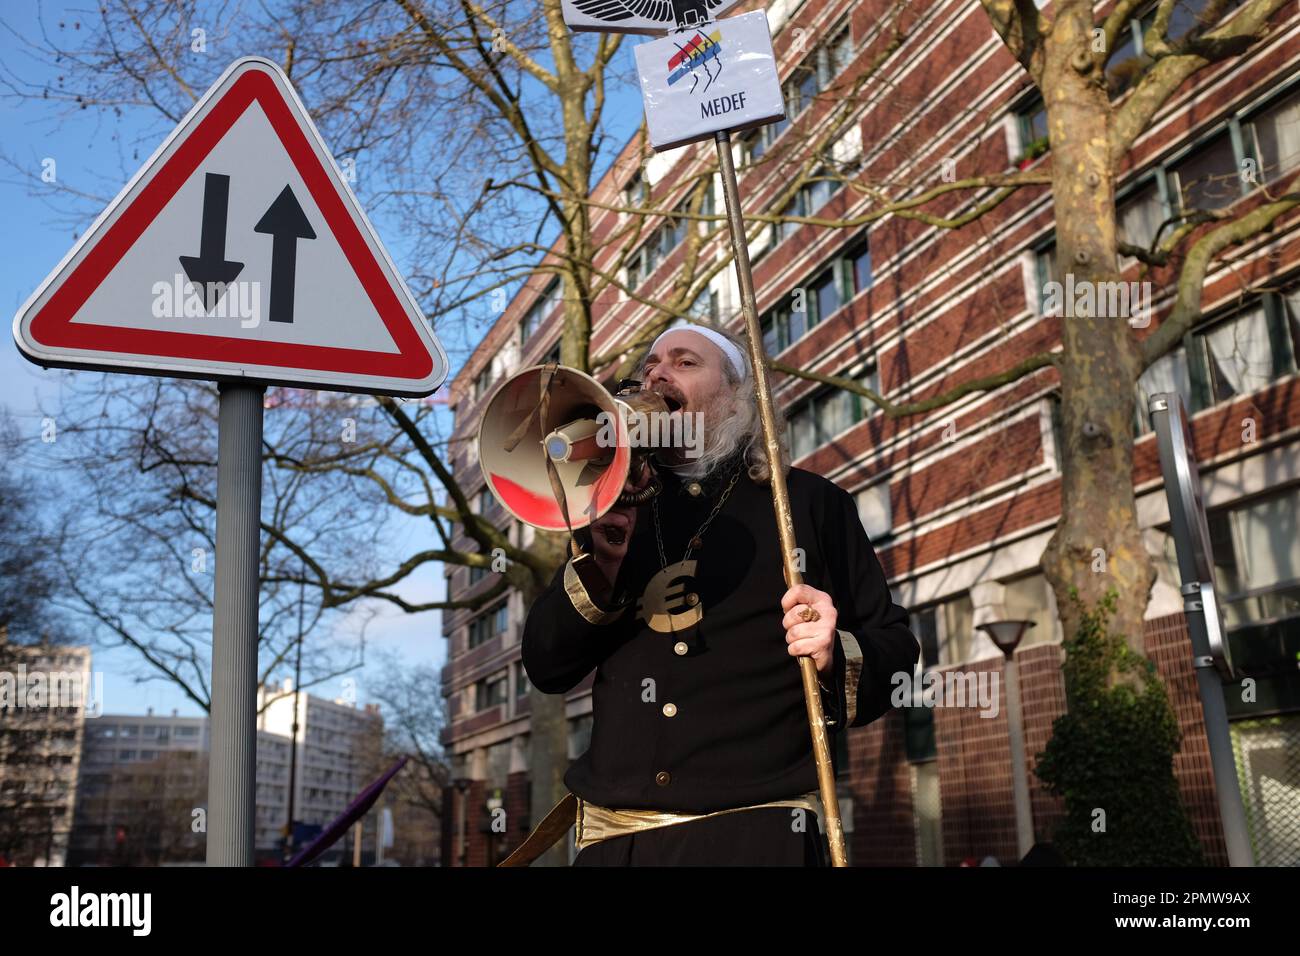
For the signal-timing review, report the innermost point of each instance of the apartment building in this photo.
(338, 753)
(143, 786)
(47, 691)
(142, 791)
(959, 502)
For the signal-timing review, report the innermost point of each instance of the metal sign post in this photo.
(233, 756)
(1211, 657)
(706, 79)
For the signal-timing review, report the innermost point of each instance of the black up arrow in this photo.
(211, 271)
(286, 223)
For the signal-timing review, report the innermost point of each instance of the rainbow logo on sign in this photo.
(696, 53)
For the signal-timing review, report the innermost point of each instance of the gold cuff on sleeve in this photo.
(852, 674)
(582, 601)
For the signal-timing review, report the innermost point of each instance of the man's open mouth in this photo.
(671, 401)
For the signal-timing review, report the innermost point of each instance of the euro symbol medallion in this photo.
(665, 604)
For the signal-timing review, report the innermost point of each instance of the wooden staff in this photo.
(780, 496)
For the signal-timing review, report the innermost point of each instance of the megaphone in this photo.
(562, 416)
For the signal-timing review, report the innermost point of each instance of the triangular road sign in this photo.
(237, 252)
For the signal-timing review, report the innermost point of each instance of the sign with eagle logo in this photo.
(653, 17)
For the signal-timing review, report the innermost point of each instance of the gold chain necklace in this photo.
(697, 539)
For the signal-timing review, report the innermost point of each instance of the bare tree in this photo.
(414, 710)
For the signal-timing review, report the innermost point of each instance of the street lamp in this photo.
(461, 784)
(1007, 636)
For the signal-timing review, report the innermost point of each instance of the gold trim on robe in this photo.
(582, 601)
(852, 674)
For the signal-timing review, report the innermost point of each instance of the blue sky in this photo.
(95, 155)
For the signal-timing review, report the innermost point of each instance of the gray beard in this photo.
(722, 443)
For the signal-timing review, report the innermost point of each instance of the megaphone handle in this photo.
(599, 587)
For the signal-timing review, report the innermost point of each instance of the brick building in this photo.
(959, 502)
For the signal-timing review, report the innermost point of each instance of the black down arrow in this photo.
(211, 271)
(286, 223)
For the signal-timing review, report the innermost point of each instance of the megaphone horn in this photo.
(583, 431)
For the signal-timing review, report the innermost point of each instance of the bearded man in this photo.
(700, 747)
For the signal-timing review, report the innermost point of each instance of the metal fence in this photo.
(1268, 768)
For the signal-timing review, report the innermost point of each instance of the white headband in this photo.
(721, 341)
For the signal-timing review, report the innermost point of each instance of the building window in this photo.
(1044, 272)
(831, 411)
(1257, 560)
(489, 625)
(521, 680)
(1257, 580)
(1126, 61)
(490, 692)
(488, 505)
(538, 311)
(476, 574)
(1129, 59)
(1166, 374)
(671, 232)
(705, 306)
(1209, 178)
(835, 54)
(636, 191)
(918, 721)
(1274, 137)
(785, 325)
(483, 382)
(825, 296)
(1139, 216)
(807, 201)
(815, 302)
(860, 268)
(1238, 356)
(579, 736)
(1031, 123)
(875, 510)
(800, 89)
(1222, 359)
(817, 72)
(644, 262)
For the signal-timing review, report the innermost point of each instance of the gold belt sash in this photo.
(595, 823)
(592, 823)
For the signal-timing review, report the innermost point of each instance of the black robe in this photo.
(736, 732)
